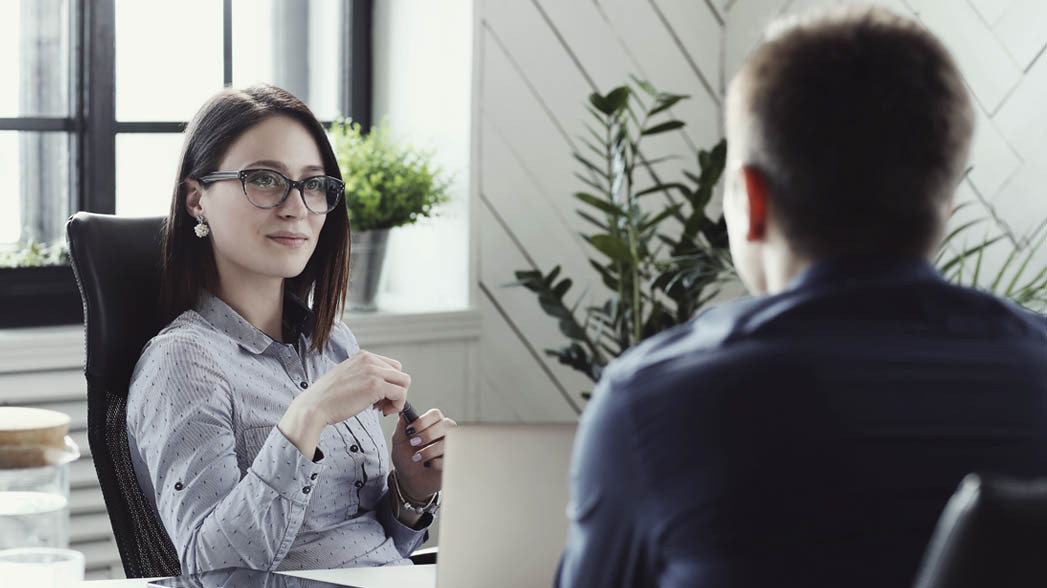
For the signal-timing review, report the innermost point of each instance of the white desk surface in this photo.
(386, 577)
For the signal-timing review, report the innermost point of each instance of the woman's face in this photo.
(252, 244)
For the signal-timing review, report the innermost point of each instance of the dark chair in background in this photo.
(116, 262)
(992, 534)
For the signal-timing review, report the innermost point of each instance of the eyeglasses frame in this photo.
(291, 184)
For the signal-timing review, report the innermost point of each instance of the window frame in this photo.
(93, 129)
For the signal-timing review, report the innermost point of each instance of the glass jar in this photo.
(35, 454)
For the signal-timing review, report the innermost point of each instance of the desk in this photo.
(387, 577)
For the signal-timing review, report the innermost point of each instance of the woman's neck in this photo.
(260, 302)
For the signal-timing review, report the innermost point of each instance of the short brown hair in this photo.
(188, 261)
(861, 123)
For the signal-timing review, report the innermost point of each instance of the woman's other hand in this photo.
(418, 453)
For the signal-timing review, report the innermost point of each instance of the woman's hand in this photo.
(419, 456)
(365, 379)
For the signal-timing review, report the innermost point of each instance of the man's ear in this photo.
(193, 192)
(758, 194)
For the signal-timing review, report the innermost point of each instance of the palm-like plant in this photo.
(656, 278)
(1015, 279)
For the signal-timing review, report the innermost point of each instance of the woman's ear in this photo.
(193, 193)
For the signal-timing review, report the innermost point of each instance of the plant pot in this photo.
(37, 296)
(366, 258)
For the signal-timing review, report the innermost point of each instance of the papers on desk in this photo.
(241, 578)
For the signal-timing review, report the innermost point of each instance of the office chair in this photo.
(992, 534)
(116, 262)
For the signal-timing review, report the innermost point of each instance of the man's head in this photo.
(848, 132)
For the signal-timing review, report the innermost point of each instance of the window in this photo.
(97, 93)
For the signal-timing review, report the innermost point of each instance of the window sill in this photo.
(28, 349)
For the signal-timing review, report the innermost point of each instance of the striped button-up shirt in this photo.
(231, 490)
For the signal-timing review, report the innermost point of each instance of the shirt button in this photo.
(354, 448)
(304, 385)
(312, 477)
(179, 486)
(307, 490)
(358, 484)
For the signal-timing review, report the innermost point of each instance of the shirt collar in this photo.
(298, 319)
(864, 270)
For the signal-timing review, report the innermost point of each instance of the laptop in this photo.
(503, 519)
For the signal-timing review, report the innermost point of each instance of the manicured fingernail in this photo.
(417, 457)
(428, 464)
(416, 440)
(410, 431)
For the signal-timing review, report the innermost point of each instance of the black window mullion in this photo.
(356, 62)
(98, 143)
(39, 123)
(150, 127)
(227, 43)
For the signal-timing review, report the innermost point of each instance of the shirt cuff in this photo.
(404, 537)
(284, 469)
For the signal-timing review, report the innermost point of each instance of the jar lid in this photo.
(33, 437)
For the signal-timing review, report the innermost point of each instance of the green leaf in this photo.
(971, 251)
(618, 98)
(548, 280)
(948, 238)
(592, 220)
(669, 211)
(1021, 269)
(599, 203)
(561, 289)
(612, 102)
(588, 164)
(644, 85)
(670, 125)
(666, 103)
(612, 248)
(589, 182)
(663, 188)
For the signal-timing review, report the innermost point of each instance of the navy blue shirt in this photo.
(810, 438)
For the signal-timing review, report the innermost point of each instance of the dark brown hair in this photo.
(861, 124)
(188, 262)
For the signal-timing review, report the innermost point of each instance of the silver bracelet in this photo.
(428, 508)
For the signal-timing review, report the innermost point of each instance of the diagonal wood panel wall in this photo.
(538, 59)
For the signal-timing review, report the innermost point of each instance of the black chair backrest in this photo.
(992, 534)
(117, 266)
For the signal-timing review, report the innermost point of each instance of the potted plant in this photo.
(37, 286)
(657, 273)
(388, 184)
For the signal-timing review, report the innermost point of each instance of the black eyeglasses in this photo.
(266, 188)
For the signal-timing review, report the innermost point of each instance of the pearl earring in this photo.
(201, 229)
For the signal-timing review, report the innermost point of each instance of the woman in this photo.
(253, 418)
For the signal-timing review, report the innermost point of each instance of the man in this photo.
(811, 436)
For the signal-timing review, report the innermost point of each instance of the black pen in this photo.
(409, 413)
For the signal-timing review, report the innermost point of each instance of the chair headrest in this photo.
(992, 531)
(116, 261)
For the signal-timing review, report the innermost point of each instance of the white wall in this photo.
(422, 87)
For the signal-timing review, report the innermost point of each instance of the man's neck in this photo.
(781, 266)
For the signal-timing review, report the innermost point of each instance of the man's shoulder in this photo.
(701, 343)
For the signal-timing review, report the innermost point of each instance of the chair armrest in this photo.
(424, 556)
